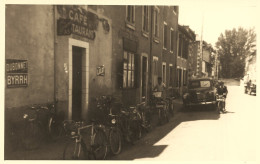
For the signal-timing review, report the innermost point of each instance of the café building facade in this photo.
(68, 55)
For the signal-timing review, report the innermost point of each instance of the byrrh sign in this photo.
(16, 73)
(75, 20)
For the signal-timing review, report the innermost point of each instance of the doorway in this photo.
(144, 73)
(76, 82)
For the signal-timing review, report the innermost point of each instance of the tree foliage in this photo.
(232, 48)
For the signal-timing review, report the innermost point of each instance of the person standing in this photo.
(160, 87)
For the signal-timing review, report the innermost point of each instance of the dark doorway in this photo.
(144, 79)
(76, 83)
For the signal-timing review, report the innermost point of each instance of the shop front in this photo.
(83, 60)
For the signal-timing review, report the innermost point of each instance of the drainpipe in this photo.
(54, 58)
(151, 56)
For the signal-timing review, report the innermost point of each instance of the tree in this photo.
(232, 48)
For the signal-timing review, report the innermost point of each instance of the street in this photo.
(199, 134)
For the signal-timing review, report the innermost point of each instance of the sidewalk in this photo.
(54, 150)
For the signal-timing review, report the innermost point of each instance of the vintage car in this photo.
(250, 88)
(201, 91)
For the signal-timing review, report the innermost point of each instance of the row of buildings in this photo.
(69, 54)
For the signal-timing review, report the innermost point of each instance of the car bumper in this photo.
(202, 103)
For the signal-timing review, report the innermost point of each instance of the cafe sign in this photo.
(76, 20)
(16, 73)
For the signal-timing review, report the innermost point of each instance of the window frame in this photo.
(175, 10)
(184, 75)
(164, 78)
(171, 76)
(156, 23)
(133, 70)
(165, 35)
(171, 40)
(179, 45)
(145, 16)
(130, 23)
(155, 71)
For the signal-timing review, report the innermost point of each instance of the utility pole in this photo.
(201, 40)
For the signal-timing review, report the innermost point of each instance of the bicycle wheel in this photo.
(32, 136)
(99, 144)
(115, 141)
(71, 150)
(223, 107)
(54, 130)
(166, 112)
(83, 153)
(160, 113)
(171, 108)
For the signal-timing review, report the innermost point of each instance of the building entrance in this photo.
(76, 82)
(144, 78)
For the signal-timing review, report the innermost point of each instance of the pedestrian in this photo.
(160, 87)
(222, 90)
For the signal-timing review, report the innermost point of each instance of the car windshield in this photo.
(199, 84)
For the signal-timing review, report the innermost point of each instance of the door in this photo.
(76, 83)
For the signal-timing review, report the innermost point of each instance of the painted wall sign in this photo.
(76, 20)
(66, 27)
(16, 73)
(101, 70)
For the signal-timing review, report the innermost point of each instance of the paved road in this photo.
(203, 135)
(197, 135)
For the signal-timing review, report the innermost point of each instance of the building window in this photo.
(179, 72)
(171, 84)
(175, 9)
(155, 70)
(156, 24)
(185, 48)
(129, 70)
(172, 40)
(145, 18)
(165, 35)
(180, 45)
(130, 16)
(184, 77)
(164, 72)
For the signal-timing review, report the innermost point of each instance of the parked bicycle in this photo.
(77, 147)
(131, 124)
(170, 105)
(112, 123)
(145, 116)
(162, 107)
(35, 130)
(115, 134)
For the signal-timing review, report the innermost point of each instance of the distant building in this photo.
(206, 61)
(185, 59)
(250, 67)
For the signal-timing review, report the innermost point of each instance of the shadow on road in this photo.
(146, 148)
(142, 151)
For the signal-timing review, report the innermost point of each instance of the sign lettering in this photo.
(16, 73)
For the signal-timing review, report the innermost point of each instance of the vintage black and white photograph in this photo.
(171, 81)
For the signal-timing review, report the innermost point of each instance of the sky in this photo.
(217, 16)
